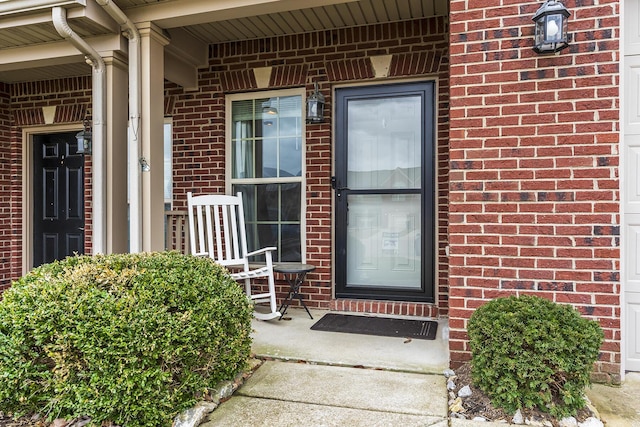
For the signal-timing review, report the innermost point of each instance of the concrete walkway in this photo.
(618, 406)
(296, 394)
(313, 378)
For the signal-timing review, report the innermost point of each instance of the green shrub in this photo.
(133, 339)
(530, 352)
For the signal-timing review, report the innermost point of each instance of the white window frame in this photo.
(229, 181)
(168, 160)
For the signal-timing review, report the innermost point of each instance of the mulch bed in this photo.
(6, 421)
(479, 404)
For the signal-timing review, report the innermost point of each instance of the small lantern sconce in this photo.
(84, 139)
(551, 27)
(315, 106)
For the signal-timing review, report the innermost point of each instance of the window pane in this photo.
(290, 126)
(269, 126)
(242, 159)
(384, 241)
(248, 197)
(268, 235)
(267, 149)
(267, 206)
(385, 137)
(290, 249)
(290, 106)
(249, 201)
(290, 157)
(243, 115)
(290, 200)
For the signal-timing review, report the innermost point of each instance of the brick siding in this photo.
(534, 202)
(5, 188)
(21, 105)
(418, 49)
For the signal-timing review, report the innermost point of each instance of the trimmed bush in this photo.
(133, 339)
(529, 352)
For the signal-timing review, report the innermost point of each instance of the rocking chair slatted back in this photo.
(216, 229)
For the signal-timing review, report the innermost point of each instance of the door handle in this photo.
(334, 185)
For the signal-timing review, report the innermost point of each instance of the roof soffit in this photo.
(193, 12)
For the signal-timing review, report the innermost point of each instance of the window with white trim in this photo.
(265, 162)
(168, 162)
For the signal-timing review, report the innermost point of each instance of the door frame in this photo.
(434, 80)
(27, 184)
(630, 49)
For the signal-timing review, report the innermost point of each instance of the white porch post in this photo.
(116, 152)
(152, 129)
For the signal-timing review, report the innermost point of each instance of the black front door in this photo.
(384, 188)
(58, 198)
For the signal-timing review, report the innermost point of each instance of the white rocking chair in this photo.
(217, 230)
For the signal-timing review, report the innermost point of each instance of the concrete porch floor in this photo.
(294, 340)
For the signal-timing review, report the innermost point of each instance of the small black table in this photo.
(295, 273)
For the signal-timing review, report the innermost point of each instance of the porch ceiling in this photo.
(211, 21)
(347, 13)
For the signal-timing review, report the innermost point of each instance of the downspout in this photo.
(135, 99)
(98, 106)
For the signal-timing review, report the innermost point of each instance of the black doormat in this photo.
(381, 326)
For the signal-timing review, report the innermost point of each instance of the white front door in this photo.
(631, 187)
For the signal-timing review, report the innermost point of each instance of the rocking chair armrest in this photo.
(262, 251)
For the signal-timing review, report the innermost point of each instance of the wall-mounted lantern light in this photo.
(315, 106)
(551, 27)
(84, 139)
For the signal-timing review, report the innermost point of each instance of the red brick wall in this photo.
(5, 188)
(72, 97)
(419, 49)
(534, 165)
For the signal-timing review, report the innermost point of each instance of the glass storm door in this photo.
(384, 189)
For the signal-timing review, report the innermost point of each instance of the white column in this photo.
(116, 152)
(152, 129)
